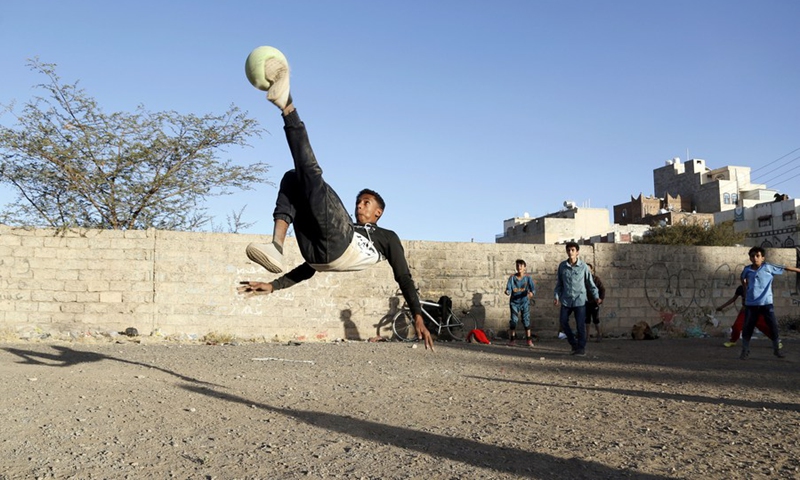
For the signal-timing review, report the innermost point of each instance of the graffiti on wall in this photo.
(688, 295)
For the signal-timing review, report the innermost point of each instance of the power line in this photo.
(776, 168)
(777, 159)
(777, 177)
(787, 179)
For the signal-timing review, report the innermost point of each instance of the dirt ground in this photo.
(667, 408)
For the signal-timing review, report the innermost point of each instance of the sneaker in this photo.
(780, 344)
(266, 255)
(511, 343)
(530, 342)
(744, 354)
(267, 69)
(579, 353)
(779, 354)
(562, 335)
(729, 344)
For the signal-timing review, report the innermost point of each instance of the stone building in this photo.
(684, 193)
(573, 223)
(641, 208)
(768, 224)
(704, 190)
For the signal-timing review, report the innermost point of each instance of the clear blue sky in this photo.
(461, 113)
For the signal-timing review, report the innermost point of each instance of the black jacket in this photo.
(388, 245)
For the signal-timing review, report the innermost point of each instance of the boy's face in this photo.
(757, 259)
(572, 253)
(521, 269)
(368, 210)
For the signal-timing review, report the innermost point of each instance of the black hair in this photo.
(521, 262)
(755, 250)
(375, 194)
(572, 244)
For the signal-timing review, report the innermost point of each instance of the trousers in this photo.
(322, 226)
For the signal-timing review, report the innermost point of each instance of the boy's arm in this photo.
(559, 286)
(393, 250)
(792, 269)
(299, 274)
(595, 293)
(724, 305)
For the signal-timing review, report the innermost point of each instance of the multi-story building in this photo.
(704, 190)
(768, 224)
(641, 209)
(685, 192)
(573, 223)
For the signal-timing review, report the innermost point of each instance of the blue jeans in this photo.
(520, 310)
(322, 224)
(751, 314)
(578, 343)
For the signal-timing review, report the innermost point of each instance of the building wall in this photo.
(781, 229)
(185, 283)
(679, 178)
(569, 224)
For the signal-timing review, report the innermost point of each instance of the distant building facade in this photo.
(578, 224)
(640, 209)
(768, 224)
(684, 193)
(703, 190)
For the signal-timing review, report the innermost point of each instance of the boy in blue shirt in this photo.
(521, 290)
(757, 282)
(570, 294)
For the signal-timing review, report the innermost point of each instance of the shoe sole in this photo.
(265, 261)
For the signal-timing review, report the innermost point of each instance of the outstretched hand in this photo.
(422, 332)
(254, 288)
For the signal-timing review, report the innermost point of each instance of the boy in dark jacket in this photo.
(327, 238)
(592, 305)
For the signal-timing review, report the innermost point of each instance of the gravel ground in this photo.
(668, 408)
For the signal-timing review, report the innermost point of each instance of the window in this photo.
(735, 198)
(788, 243)
(726, 198)
(766, 244)
(765, 221)
(790, 215)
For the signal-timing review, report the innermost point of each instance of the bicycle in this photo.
(456, 328)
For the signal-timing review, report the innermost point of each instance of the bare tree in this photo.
(72, 165)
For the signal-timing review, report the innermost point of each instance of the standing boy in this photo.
(593, 305)
(521, 290)
(736, 328)
(572, 281)
(757, 282)
(329, 241)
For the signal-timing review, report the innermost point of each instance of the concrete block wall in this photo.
(185, 283)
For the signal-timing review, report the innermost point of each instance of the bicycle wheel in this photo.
(403, 326)
(458, 328)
